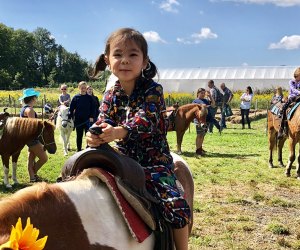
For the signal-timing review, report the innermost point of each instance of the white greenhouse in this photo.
(188, 80)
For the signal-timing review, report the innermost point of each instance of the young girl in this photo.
(64, 98)
(82, 111)
(294, 94)
(132, 112)
(89, 91)
(35, 148)
(278, 97)
(246, 99)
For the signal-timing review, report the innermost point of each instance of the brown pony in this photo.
(180, 119)
(16, 134)
(274, 143)
(79, 214)
(294, 138)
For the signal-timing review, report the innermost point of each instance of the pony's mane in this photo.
(14, 125)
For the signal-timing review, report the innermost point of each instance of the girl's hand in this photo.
(93, 140)
(108, 133)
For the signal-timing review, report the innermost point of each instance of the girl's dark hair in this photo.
(250, 90)
(123, 35)
(26, 100)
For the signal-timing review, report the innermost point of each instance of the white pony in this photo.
(65, 126)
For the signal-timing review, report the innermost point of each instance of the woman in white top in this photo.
(246, 99)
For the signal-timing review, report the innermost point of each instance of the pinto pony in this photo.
(16, 134)
(181, 117)
(65, 125)
(79, 214)
(274, 143)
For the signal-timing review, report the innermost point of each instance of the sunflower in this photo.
(24, 239)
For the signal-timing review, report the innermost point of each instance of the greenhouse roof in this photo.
(255, 72)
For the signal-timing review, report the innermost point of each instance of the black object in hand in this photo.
(95, 130)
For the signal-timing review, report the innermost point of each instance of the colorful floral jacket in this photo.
(143, 114)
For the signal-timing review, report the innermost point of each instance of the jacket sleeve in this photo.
(72, 107)
(150, 119)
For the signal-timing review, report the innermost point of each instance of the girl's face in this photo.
(297, 78)
(126, 61)
(89, 91)
(63, 89)
(82, 89)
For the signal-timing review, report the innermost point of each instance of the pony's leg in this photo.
(15, 158)
(272, 143)
(5, 161)
(64, 139)
(280, 146)
(292, 145)
(68, 141)
(298, 165)
(179, 135)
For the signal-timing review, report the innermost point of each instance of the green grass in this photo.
(240, 203)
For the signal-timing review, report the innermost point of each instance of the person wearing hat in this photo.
(35, 148)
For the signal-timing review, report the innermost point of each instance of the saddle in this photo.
(125, 169)
(3, 117)
(130, 181)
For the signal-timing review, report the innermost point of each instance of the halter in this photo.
(42, 138)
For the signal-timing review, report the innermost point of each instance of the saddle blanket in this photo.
(291, 112)
(136, 225)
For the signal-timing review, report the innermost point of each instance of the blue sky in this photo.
(180, 33)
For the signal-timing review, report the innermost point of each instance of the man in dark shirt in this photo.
(227, 97)
(82, 111)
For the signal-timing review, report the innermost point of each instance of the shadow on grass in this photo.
(14, 188)
(220, 155)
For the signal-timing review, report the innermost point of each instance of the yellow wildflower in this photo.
(24, 239)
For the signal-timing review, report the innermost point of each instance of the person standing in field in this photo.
(217, 97)
(245, 106)
(35, 148)
(227, 97)
(133, 114)
(82, 111)
(203, 97)
(96, 102)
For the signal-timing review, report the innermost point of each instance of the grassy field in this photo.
(239, 202)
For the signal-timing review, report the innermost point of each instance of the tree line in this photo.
(34, 59)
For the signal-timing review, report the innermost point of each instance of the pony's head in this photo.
(47, 138)
(63, 116)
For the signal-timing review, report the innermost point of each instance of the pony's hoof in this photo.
(287, 174)
(271, 166)
(298, 177)
(16, 182)
(8, 186)
(65, 154)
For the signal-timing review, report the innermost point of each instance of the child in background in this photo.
(82, 112)
(64, 98)
(35, 148)
(96, 101)
(133, 114)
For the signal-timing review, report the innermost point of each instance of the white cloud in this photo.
(196, 38)
(281, 3)
(169, 6)
(287, 42)
(153, 36)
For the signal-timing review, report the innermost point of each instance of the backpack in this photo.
(219, 98)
